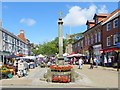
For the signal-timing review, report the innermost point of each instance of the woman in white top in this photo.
(110, 61)
(80, 63)
(105, 61)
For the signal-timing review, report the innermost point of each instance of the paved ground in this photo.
(97, 77)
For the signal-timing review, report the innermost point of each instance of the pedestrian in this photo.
(74, 60)
(71, 61)
(91, 63)
(80, 63)
(105, 61)
(48, 64)
(25, 72)
(110, 61)
(96, 61)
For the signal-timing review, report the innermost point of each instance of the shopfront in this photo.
(110, 53)
(96, 50)
(3, 55)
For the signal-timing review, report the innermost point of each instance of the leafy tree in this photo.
(74, 38)
(49, 48)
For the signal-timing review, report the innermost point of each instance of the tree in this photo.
(49, 48)
(74, 38)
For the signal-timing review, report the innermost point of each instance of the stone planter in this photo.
(60, 74)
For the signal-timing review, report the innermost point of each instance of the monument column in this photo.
(60, 57)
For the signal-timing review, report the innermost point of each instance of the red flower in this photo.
(55, 78)
(53, 67)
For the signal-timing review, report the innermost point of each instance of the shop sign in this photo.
(108, 50)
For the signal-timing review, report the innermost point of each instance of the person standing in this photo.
(105, 61)
(91, 63)
(110, 61)
(96, 61)
(74, 60)
(71, 61)
(80, 63)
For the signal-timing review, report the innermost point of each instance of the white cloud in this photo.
(102, 9)
(78, 16)
(28, 21)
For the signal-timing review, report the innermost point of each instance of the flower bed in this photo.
(61, 79)
(60, 68)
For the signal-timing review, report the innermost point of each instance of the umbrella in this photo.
(28, 57)
(65, 54)
(12, 56)
(40, 56)
(76, 55)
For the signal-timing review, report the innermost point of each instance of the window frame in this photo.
(108, 41)
(114, 24)
(108, 26)
(115, 39)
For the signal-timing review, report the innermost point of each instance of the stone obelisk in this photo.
(60, 57)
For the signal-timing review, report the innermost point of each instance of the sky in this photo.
(39, 20)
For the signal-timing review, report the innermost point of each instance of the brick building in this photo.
(78, 46)
(110, 34)
(101, 36)
(93, 34)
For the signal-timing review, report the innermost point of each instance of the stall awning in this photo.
(108, 50)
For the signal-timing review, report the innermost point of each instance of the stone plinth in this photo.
(69, 73)
(60, 61)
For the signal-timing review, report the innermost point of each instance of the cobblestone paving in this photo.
(97, 77)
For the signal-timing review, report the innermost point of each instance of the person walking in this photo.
(80, 63)
(96, 61)
(110, 61)
(105, 61)
(74, 61)
(91, 63)
(71, 61)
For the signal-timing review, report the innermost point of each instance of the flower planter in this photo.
(61, 68)
(61, 79)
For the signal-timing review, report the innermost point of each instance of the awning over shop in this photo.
(108, 50)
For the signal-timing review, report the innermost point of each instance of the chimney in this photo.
(21, 35)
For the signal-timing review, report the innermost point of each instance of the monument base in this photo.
(60, 74)
(60, 61)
